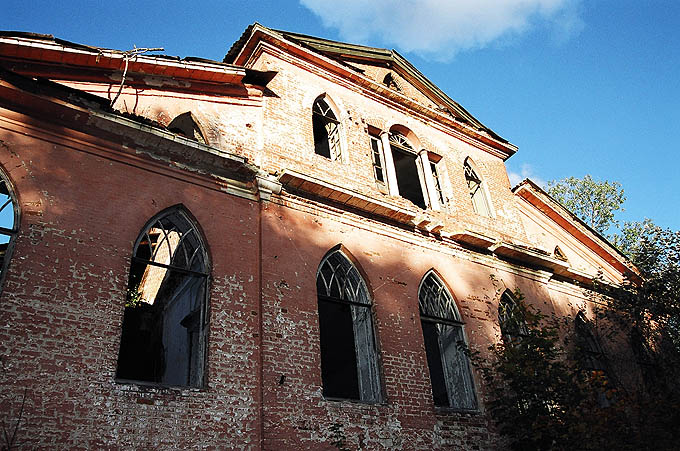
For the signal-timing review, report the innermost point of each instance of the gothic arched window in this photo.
(511, 318)
(591, 355)
(326, 128)
(165, 322)
(450, 374)
(9, 222)
(480, 202)
(349, 358)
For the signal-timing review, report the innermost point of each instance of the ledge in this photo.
(529, 255)
(343, 196)
(470, 238)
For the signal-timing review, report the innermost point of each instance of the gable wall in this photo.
(288, 143)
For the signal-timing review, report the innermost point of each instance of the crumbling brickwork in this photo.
(87, 178)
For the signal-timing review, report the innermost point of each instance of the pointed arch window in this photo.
(592, 357)
(326, 128)
(511, 318)
(480, 202)
(9, 222)
(450, 375)
(349, 359)
(165, 322)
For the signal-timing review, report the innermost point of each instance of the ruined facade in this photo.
(278, 251)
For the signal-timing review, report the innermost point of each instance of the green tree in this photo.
(594, 201)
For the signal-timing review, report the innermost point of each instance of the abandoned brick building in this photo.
(277, 251)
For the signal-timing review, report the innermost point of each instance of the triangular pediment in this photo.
(554, 229)
(389, 72)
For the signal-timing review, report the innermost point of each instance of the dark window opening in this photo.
(8, 223)
(592, 359)
(349, 360)
(450, 374)
(326, 129)
(406, 168)
(165, 319)
(511, 318)
(185, 125)
(378, 166)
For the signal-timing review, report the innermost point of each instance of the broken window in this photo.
(185, 125)
(378, 160)
(591, 355)
(437, 182)
(165, 321)
(450, 374)
(477, 191)
(406, 166)
(592, 359)
(349, 359)
(9, 223)
(326, 129)
(511, 318)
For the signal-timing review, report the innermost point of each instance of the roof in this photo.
(543, 201)
(60, 57)
(345, 52)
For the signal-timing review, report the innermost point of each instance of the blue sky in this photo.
(582, 87)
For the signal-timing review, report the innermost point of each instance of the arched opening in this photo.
(511, 318)
(349, 358)
(163, 339)
(407, 167)
(9, 222)
(186, 125)
(326, 128)
(450, 375)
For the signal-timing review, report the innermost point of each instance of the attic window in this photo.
(559, 254)
(185, 125)
(390, 82)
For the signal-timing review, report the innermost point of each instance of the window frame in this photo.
(400, 143)
(327, 116)
(479, 196)
(466, 401)
(369, 385)
(378, 160)
(195, 372)
(9, 232)
(509, 311)
(436, 176)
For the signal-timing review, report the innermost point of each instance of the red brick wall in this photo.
(64, 294)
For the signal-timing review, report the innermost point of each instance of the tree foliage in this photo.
(544, 393)
(595, 202)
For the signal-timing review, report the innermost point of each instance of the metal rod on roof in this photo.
(127, 55)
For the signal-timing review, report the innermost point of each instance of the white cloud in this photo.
(526, 172)
(441, 28)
